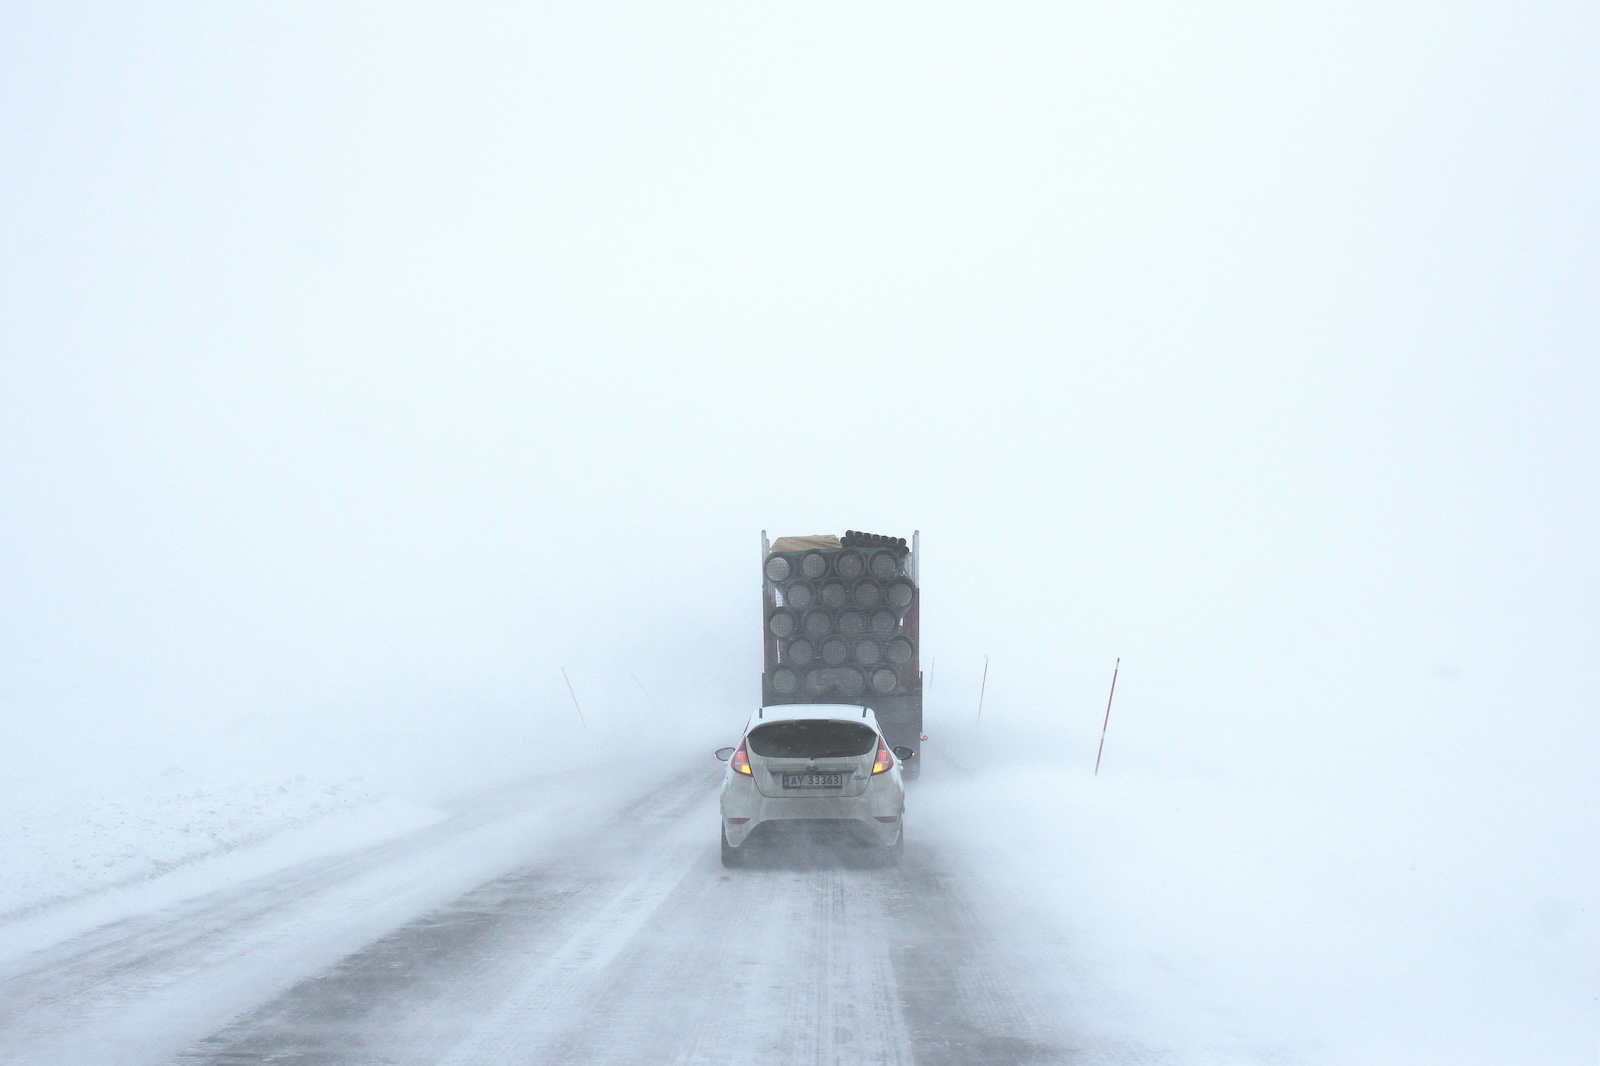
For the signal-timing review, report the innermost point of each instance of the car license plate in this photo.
(813, 780)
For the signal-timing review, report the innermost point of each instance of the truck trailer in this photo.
(841, 624)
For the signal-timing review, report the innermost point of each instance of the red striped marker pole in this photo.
(1107, 722)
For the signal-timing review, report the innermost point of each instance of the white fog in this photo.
(366, 368)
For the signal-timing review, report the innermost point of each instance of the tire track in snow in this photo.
(642, 948)
(631, 944)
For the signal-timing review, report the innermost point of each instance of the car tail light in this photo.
(879, 765)
(741, 762)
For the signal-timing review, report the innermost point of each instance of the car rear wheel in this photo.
(894, 853)
(731, 856)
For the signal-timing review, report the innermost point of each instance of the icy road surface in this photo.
(491, 938)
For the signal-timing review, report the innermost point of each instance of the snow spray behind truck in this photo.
(842, 625)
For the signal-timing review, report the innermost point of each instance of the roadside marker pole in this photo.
(983, 686)
(1107, 722)
(575, 702)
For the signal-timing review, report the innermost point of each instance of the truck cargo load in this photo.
(841, 624)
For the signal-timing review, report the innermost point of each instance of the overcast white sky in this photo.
(371, 356)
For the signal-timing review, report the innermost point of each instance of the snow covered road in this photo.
(496, 937)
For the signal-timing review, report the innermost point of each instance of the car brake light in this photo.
(741, 762)
(884, 759)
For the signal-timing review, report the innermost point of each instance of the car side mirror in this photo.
(723, 754)
(903, 753)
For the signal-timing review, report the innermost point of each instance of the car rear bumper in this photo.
(875, 815)
(806, 834)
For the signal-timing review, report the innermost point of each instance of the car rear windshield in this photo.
(821, 738)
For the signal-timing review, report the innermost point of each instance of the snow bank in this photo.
(1224, 918)
(126, 834)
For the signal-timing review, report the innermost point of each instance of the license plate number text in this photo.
(813, 780)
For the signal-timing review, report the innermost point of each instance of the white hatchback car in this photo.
(806, 767)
